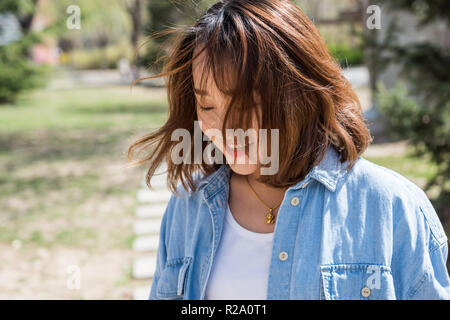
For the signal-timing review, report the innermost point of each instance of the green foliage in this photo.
(426, 118)
(420, 112)
(99, 58)
(14, 75)
(400, 110)
(103, 22)
(347, 55)
(19, 8)
(163, 15)
(427, 126)
(425, 10)
(17, 72)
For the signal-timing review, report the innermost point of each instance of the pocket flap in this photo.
(356, 282)
(171, 283)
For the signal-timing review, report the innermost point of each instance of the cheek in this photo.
(206, 124)
(209, 120)
(209, 127)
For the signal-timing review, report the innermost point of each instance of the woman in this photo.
(313, 220)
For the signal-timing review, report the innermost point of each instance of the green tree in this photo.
(17, 73)
(162, 15)
(420, 111)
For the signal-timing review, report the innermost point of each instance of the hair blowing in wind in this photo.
(272, 48)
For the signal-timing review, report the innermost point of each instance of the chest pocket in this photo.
(356, 282)
(172, 281)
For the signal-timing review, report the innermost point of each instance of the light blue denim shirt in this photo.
(367, 233)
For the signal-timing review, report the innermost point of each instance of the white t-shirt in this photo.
(240, 268)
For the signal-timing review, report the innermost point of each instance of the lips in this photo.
(237, 150)
(239, 146)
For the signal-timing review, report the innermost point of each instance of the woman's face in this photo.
(211, 108)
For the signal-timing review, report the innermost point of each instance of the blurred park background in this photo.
(68, 201)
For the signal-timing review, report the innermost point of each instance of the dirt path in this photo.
(387, 149)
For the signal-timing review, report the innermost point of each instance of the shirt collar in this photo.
(327, 172)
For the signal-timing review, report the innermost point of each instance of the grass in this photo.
(66, 196)
(418, 170)
(90, 108)
(62, 159)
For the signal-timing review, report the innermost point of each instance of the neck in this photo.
(270, 195)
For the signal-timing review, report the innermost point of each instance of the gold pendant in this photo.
(270, 218)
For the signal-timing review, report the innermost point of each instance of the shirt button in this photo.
(365, 292)
(283, 256)
(295, 201)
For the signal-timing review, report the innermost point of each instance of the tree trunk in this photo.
(135, 11)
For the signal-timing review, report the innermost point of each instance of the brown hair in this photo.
(276, 51)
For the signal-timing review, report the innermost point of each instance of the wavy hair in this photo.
(272, 48)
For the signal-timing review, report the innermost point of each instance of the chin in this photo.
(244, 169)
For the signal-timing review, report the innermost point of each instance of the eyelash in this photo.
(206, 108)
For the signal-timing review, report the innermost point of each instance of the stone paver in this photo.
(145, 196)
(144, 227)
(152, 205)
(146, 243)
(141, 293)
(144, 268)
(158, 182)
(151, 211)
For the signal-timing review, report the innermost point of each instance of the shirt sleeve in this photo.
(433, 282)
(420, 253)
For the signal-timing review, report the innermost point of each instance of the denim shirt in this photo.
(366, 233)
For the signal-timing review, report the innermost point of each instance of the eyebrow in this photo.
(201, 92)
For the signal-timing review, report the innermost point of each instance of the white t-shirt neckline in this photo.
(241, 264)
(245, 232)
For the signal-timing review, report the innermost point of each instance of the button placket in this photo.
(277, 279)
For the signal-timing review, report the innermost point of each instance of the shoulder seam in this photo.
(440, 240)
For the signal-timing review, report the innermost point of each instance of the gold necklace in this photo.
(270, 218)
